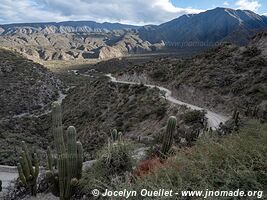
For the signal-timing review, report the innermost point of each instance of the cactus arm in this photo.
(21, 174)
(58, 128)
(119, 137)
(36, 166)
(24, 165)
(79, 159)
(49, 159)
(28, 157)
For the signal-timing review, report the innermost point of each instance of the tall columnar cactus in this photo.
(28, 170)
(168, 136)
(64, 177)
(236, 118)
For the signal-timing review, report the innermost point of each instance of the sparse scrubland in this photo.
(236, 161)
(225, 77)
(112, 121)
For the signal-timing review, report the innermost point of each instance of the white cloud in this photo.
(124, 11)
(226, 3)
(253, 5)
(24, 11)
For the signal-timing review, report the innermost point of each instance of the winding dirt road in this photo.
(214, 119)
(9, 173)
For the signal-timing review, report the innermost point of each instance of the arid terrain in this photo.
(89, 106)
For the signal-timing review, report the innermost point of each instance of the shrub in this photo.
(252, 51)
(115, 159)
(113, 162)
(160, 74)
(234, 162)
(195, 116)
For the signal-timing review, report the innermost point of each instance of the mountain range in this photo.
(62, 27)
(217, 25)
(86, 39)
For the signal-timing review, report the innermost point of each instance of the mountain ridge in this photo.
(63, 27)
(83, 40)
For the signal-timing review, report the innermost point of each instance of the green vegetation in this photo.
(28, 170)
(252, 51)
(131, 109)
(231, 125)
(21, 81)
(113, 163)
(194, 116)
(236, 161)
(65, 176)
(218, 79)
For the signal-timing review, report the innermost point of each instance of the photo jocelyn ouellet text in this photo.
(170, 193)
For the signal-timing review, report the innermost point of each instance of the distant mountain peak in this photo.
(211, 26)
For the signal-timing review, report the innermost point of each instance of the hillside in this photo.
(94, 105)
(24, 85)
(77, 46)
(221, 79)
(217, 25)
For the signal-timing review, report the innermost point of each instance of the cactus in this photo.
(0, 186)
(28, 170)
(255, 112)
(116, 136)
(236, 118)
(120, 137)
(168, 136)
(64, 177)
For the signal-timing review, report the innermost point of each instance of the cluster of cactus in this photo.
(64, 169)
(28, 170)
(116, 157)
(207, 132)
(252, 111)
(168, 136)
(116, 136)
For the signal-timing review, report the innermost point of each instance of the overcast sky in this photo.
(138, 12)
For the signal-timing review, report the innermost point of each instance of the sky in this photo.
(137, 12)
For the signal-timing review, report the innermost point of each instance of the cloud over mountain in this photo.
(124, 11)
(253, 5)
